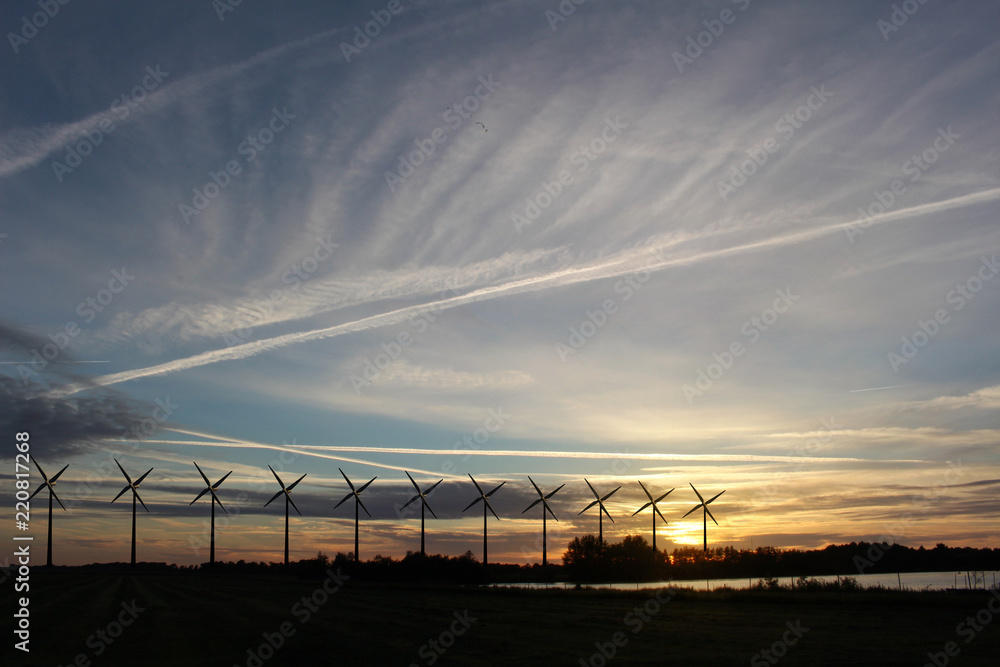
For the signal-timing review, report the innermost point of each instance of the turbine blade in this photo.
(478, 488)
(57, 498)
(367, 484)
(219, 483)
(536, 487)
(644, 489)
(554, 492)
(292, 486)
(43, 485)
(362, 503)
(274, 497)
(430, 490)
(605, 510)
(641, 508)
(490, 507)
(346, 480)
(657, 510)
(711, 517)
(591, 488)
(696, 492)
(663, 496)
(533, 504)
(588, 507)
(127, 487)
(127, 478)
(216, 499)
(496, 489)
(53, 480)
(428, 506)
(714, 497)
(289, 497)
(344, 500)
(610, 494)
(201, 473)
(282, 484)
(139, 498)
(44, 476)
(410, 501)
(473, 503)
(139, 481)
(550, 512)
(693, 509)
(198, 497)
(412, 482)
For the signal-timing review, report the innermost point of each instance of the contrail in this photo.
(627, 262)
(895, 386)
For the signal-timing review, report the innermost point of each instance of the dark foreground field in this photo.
(198, 619)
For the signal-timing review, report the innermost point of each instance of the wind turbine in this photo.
(543, 499)
(602, 511)
(135, 495)
(46, 482)
(423, 504)
(485, 497)
(288, 499)
(706, 513)
(357, 502)
(656, 510)
(215, 499)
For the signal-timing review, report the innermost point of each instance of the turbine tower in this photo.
(210, 488)
(602, 511)
(134, 486)
(48, 483)
(543, 499)
(485, 498)
(706, 513)
(356, 493)
(288, 499)
(423, 504)
(656, 510)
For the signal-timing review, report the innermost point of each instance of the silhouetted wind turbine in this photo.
(288, 499)
(135, 495)
(543, 499)
(656, 510)
(357, 502)
(423, 503)
(485, 498)
(707, 512)
(602, 511)
(215, 499)
(49, 483)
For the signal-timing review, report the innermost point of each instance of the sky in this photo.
(749, 246)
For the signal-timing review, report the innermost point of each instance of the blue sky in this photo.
(750, 246)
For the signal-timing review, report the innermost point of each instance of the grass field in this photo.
(198, 619)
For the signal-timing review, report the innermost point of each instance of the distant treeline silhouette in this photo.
(587, 560)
